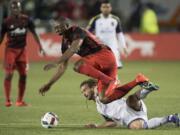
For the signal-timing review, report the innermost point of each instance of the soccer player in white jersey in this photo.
(107, 27)
(130, 112)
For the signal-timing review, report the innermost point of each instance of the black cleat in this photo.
(177, 119)
(149, 86)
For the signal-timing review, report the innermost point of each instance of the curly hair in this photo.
(90, 82)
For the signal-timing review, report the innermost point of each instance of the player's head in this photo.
(106, 7)
(15, 7)
(61, 25)
(88, 88)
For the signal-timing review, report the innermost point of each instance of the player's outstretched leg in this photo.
(118, 92)
(156, 122)
(86, 69)
(7, 89)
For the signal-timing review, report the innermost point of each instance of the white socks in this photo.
(144, 93)
(156, 122)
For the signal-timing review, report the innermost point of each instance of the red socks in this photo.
(22, 87)
(121, 91)
(94, 73)
(7, 89)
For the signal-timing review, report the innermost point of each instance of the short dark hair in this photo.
(15, 1)
(105, 2)
(90, 82)
(63, 20)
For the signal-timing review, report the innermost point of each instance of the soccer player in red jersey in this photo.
(97, 61)
(16, 27)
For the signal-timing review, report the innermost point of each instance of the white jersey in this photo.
(106, 29)
(120, 112)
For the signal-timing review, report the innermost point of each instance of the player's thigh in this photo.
(9, 61)
(22, 62)
(137, 124)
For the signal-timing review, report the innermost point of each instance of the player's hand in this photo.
(44, 89)
(91, 126)
(42, 52)
(49, 66)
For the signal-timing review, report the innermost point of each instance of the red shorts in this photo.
(104, 61)
(15, 59)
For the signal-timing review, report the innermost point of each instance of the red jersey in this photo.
(90, 43)
(16, 29)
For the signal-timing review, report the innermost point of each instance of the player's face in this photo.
(60, 28)
(87, 92)
(15, 8)
(106, 9)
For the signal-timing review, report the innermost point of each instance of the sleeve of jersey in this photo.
(106, 118)
(118, 28)
(91, 25)
(64, 46)
(3, 31)
(31, 25)
(78, 33)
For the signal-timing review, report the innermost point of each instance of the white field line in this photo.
(31, 124)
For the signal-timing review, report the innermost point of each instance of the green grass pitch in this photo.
(66, 101)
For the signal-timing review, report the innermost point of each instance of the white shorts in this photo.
(128, 114)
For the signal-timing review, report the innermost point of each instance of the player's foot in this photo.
(21, 104)
(140, 78)
(175, 118)
(149, 86)
(8, 103)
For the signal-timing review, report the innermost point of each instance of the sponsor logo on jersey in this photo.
(18, 32)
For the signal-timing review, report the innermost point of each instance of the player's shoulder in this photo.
(93, 19)
(24, 16)
(6, 21)
(115, 17)
(75, 28)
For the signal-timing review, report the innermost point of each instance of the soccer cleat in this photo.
(21, 104)
(8, 103)
(140, 78)
(175, 118)
(149, 86)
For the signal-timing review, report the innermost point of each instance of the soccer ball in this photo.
(49, 120)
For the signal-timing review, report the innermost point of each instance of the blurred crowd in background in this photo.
(80, 11)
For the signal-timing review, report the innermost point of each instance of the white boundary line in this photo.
(31, 124)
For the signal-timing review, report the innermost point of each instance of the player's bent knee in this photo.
(8, 77)
(77, 65)
(137, 124)
(133, 102)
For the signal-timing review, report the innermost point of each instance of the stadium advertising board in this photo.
(164, 46)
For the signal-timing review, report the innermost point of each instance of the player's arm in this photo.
(121, 38)
(109, 123)
(3, 32)
(66, 55)
(78, 37)
(75, 46)
(91, 25)
(60, 71)
(33, 31)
